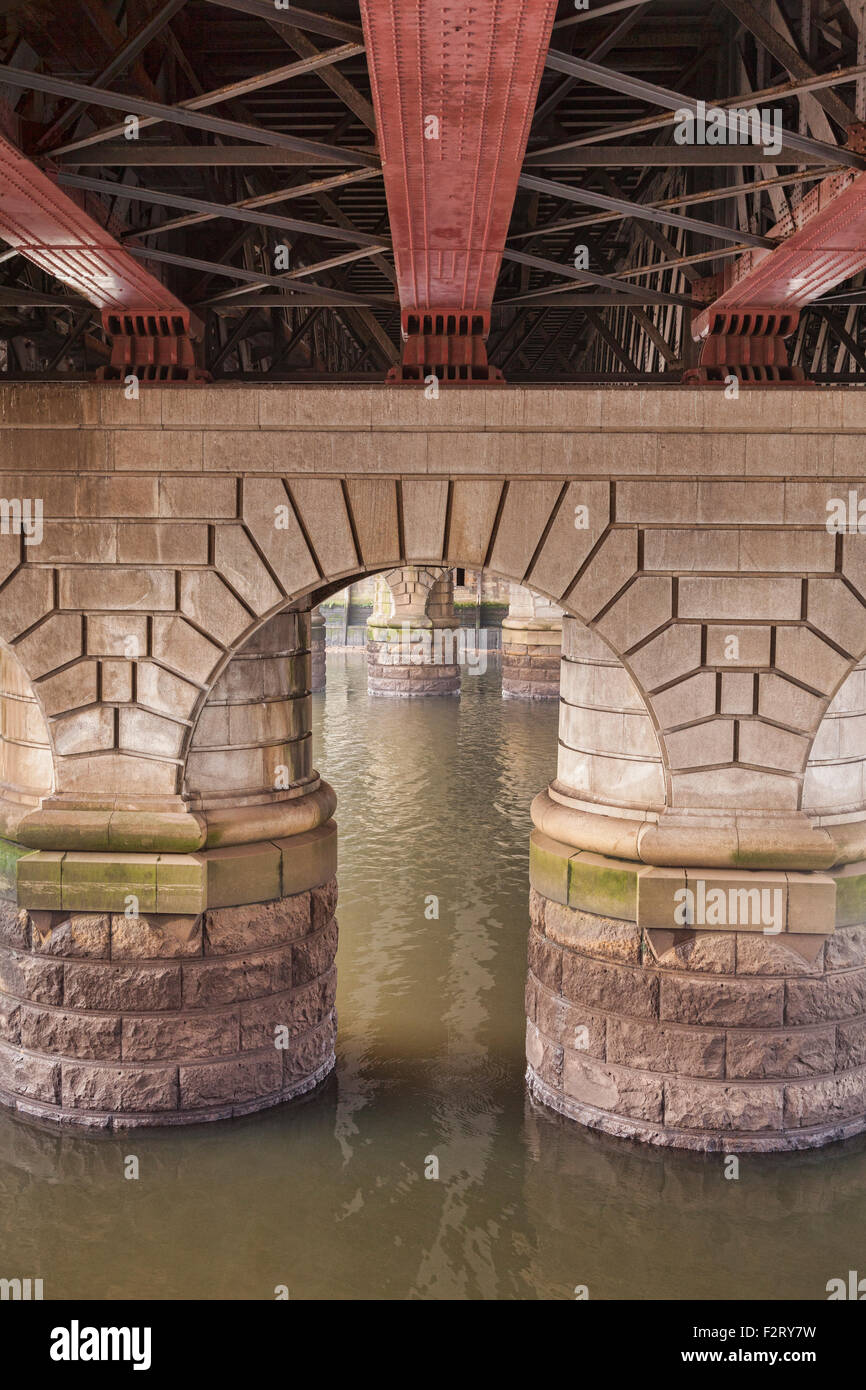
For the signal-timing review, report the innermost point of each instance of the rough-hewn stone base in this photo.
(530, 665)
(720, 1142)
(719, 1041)
(112, 1022)
(386, 677)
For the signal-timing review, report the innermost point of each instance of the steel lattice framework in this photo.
(253, 189)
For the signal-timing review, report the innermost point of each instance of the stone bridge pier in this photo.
(697, 971)
(531, 644)
(412, 634)
(171, 958)
(697, 959)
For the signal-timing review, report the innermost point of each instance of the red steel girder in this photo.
(764, 291)
(454, 88)
(149, 326)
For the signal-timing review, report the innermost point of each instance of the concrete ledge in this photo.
(679, 840)
(59, 880)
(596, 832)
(703, 899)
(771, 902)
(271, 820)
(112, 831)
(98, 831)
(531, 634)
(10, 853)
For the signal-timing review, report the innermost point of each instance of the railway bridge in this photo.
(290, 296)
(697, 962)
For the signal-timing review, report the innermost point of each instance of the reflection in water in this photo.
(328, 1196)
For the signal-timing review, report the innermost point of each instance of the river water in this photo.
(330, 1197)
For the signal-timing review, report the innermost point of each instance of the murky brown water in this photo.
(329, 1196)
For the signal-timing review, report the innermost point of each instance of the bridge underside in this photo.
(650, 190)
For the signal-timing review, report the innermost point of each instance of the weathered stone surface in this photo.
(119, 1089)
(530, 996)
(572, 1025)
(323, 904)
(544, 1056)
(297, 1010)
(619, 988)
(845, 949)
(10, 1020)
(59, 1032)
(737, 1003)
(14, 926)
(780, 955)
(199, 1034)
(711, 1105)
(654, 1047)
(118, 988)
(850, 1045)
(314, 955)
(603, 938)
(545, 960)
(537, 906)
(37, 1078)
(31, 977)
(713, 952)
(825, 1102)
(311, 1051)
(614, 1088)
(155, 937)
(231, 1082)
(804, 1052)
(222, 981)
(838, 996)
(230, 930)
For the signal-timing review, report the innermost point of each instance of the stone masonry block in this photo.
(224, 980)
(121, 988)
(811, 903)
(107, 882)
(38, 877)
(605, 886)
(850, 894)
(241, 874)
(181, 884)
(657, 903)
(95, 1086)
(159, 936)
(231, 1082)
(308, 860)
(253, 926)
(549, 867)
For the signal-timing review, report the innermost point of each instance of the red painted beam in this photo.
(454, 88)
(763, 292)
(149, 325)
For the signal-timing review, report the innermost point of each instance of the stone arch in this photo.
(26, 755)
(835, 778)
(834, 781)
(627, 735)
